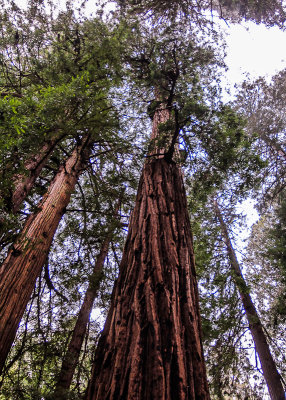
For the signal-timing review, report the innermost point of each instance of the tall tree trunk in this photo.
(72, 356)
(151, 344)
(23, 264)
(23, 183)
(34, 165)
(269, 369)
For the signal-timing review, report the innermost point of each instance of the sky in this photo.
(254, 49)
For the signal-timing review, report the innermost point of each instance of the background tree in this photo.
(269, 369)
(268, 12)
(73, 351)
(264, 256)
(262, 106)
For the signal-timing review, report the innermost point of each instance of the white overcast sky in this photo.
(258, 50)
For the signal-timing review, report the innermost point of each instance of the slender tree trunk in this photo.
(26, 258)
(72, 356)
(34, 165)
(272, 143)
(269, 369)
(151, 344)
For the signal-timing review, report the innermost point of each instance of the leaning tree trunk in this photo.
(269, 369)
(34, 165)
(151, 344)
(23, 264)
(23, 183)
(73, 352)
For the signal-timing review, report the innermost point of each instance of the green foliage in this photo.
(270, 12)
(227, 344)
(277, 254)
(72, 76)
(54, 82)
(182, 70)
(220, 155)
(268, 284)
(59, 87)
(262, 105)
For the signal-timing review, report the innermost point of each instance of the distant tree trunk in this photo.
(26, 257)
(269, 369)
(72, 355)
(273, 144)
(151, 344)
(34, 165)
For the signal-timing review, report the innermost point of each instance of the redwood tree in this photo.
(270, 373)
(26, 257)
(65, 87)
(151, 344)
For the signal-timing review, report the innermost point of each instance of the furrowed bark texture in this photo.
(72, 356)
(23, 184)
(268, 365)
(23, 264)
(151, 344)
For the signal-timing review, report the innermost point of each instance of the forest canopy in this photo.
(122, 168)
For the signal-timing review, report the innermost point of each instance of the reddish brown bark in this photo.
(151, 344)
(73, 352)
(34, 165)
(25, 259)
(23, 183)
(268, 366)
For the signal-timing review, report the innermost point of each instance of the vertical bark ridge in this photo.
(151, 344)
(73, 352)
(268, 365)
(26, 257)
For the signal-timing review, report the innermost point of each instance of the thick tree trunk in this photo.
(151, 344)
(34, 165)
(25, 259)
(73, 352)
(269, 369)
